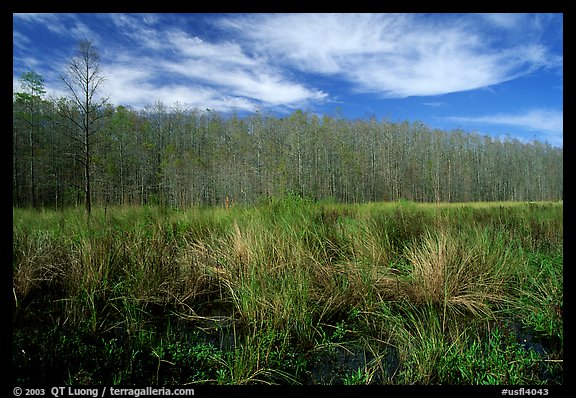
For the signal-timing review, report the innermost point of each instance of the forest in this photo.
(180, 157)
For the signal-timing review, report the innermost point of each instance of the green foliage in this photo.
(261, 294)
(500, 360)
(184, 158)
(33, 85)
(359, 377)
(540, 296)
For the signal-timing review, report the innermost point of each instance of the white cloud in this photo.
(503, 20)
(200, 97)
(393, 55)
(53, 22)
(434, 104)
(257, 83)
(137, 29)
(81, 32)
(547, 121)
(396, 55)
(193, 47)
(62, 24)
(20, 40)
(218, 72)
(147, 62)
(536, 119)
(313, 42)
(203, 87)
(135, 86)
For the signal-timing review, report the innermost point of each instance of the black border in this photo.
(246, 6)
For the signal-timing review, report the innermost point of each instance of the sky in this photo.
(492, 74)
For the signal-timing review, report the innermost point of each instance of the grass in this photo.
(258, 295)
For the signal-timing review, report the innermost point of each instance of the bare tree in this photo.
(84, 79)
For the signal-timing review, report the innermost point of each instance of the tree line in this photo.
(79, 150)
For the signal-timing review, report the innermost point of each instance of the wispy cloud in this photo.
(139, 30)
(151, 60)
(225, 64)
(547, 121)
(63, 24)
(390, 54)
(52, 22)
(20, 40)
(211, 73)
(434, 104)
(503, 20)
(136, 87)
(536, 119)
(279, 60)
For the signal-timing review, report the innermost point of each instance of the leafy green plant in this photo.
(498, 360)
(359, 377)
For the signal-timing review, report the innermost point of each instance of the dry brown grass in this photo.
(39, 263)
(462, 271)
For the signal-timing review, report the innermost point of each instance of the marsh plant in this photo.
(424, 293)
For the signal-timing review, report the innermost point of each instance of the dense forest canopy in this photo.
(180, 157)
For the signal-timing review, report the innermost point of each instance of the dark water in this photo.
(331, 364)
(334, 365)
(547, 347)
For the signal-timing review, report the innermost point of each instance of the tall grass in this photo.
(423, 280)
(460, 270)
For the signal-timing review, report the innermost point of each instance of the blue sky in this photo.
(493, 74)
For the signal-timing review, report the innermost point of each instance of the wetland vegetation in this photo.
(290, 291)
(167, 245)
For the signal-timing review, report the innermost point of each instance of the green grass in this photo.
(259, 294)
